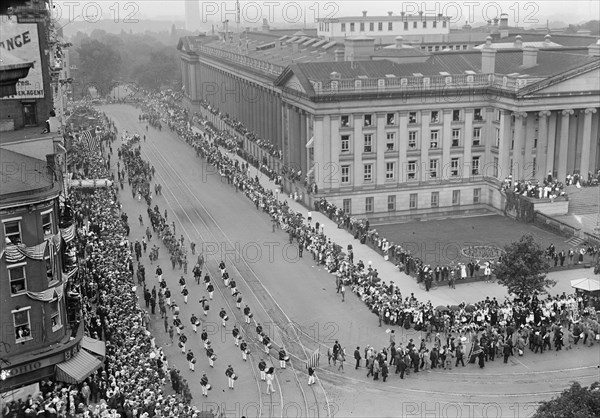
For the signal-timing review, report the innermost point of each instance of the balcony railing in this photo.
(418, 83)
(242, 59)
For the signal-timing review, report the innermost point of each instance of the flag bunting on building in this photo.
(313, 361)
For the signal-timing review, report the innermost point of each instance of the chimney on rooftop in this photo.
(594, 49)
(529, 57)
(504, 20)
(399, 42)
(339, 55)
(364, 13)
(548, 39)
(488, 58)
(390, 13)
(518, 41)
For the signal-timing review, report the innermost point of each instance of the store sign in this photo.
(29, 367)
(21, 41)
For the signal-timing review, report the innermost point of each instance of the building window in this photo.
(434, 23)
(29, 114)
(497, 138)
(22, 325)
(444, 24)
(368, 143)
(391, 201)
(47, 223)
(464, 47)
(390, 119)
(369, 204)
(412, 201)
(435, 116)
(412, 117)
(435, 199)
(412, 139)
(534, 163)
(362, 26)
(371, 26)
(345, 143)
(345, 174)
(345, 121)
(433, 168)
(475, 166)
(405, 25)
(456, 115)
(391, 141)
(380, 26)
(414, 25)
(433, 140)
(351, 27)
(17, 279)
(343, 27)
(12, 230)
(455, 137)
(368, 173)
(476, 136)
(390, 26)
(455, 197)
(454, 164)
(477, 115)
(424, 24)
(55, 318)
(347, 206)
(49, 262)
(496, 167)
(476, 196)
(411, 170)
(368, 120)
(430, 48)
(389, 171)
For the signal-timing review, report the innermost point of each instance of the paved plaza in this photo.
(283, 289)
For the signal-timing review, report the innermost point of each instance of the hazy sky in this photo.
(521, 13)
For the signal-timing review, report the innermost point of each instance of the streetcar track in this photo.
(257, 289)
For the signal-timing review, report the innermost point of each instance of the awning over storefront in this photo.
(94, 346)
(78, 368)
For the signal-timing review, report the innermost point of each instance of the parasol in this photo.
(470, 308)
(441, 308)
(454, 308)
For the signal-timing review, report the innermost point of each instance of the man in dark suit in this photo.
(357, 357)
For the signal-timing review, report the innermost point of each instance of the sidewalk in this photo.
(464, 292)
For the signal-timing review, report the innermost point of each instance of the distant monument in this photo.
(192, 15)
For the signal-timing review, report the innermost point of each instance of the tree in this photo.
(523, 268)
(575, 402)
(99, 63)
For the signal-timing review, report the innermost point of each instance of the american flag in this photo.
(313, 361)
(90, 139)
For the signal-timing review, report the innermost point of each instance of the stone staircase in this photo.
(583, 201)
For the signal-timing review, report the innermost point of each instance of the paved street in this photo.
(281, 288)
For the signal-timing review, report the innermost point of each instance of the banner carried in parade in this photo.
(91, 139)
(21, 40)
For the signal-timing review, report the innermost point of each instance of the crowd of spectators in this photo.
(132, 380)
(474, 332)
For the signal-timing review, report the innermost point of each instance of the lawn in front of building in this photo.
(442, 241)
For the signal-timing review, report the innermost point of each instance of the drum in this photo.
(225, 318)
(213, 357)
(234, 376)
(208, 386)
(287, 358)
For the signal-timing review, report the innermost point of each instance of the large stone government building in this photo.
(392, 130)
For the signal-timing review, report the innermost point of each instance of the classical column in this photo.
(505, 142)
(517, 167)
(379, 142)
(467, 145)
(529, 171)
(586, 154)
(542, 146)
(302, 140)
(402, 141)
(563, 153)
(425, 142)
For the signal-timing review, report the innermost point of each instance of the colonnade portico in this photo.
(564, 146)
